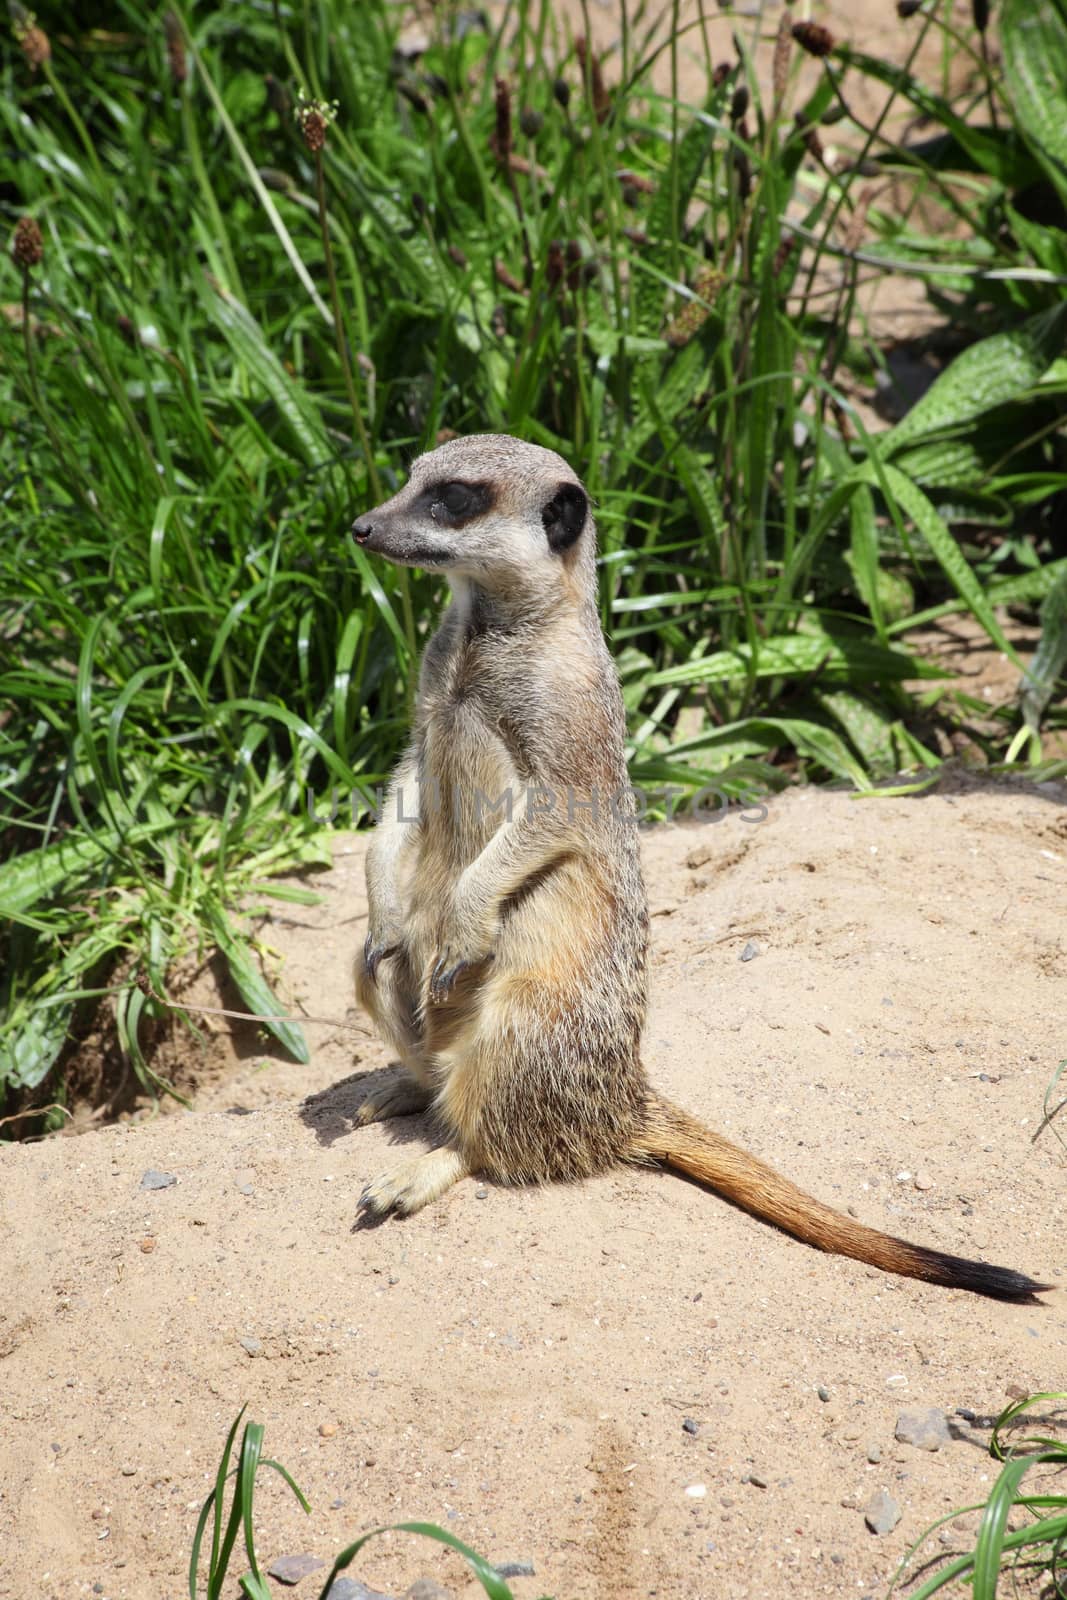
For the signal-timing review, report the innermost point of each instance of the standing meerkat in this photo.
(505, 961)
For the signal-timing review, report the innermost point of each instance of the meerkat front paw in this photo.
(398, 1095)
(449, 967)
(378, 946)
(413, 1184)
(465, 941)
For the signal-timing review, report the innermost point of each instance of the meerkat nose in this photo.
(361, 531)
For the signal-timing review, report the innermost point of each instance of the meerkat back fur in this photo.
(506, 956)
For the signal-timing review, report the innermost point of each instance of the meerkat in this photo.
(505, 961)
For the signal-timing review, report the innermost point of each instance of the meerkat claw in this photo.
(443, 979)
(374, 955)
(371, 1204)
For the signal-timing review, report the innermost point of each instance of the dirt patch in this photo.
(620, 1381)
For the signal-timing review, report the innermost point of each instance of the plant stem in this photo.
(340, 335)
(365, 441)
(84, 497)
(56, 86)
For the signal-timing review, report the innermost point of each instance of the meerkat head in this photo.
(490, 509)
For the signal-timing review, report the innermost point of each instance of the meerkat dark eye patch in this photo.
(564, 516)
(452, 503)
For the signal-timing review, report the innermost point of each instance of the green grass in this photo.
(238, 1522)
(233, 345)
(1032, 1554)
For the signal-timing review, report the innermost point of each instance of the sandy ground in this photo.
(621, 1384)
(618, 1382)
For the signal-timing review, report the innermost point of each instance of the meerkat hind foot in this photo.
(412, 1184)
(398, 1095)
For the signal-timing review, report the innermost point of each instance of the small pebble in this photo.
(427, 1589)
(514, 1569)
(352, 1589)
(128, 1471)
(756, 1481)
(750, 952)
(823, 1392)
(158, 1180)
(697, 1491)
(923, 1180)
(874, 1454)
(251, 1346)
(327, 1429)
(927, 1430)
(147, 1246)
(481, 1193)
(290, 1569)
(691, 1427)
(881, 1513)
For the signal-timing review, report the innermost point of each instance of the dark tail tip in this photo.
(998, 1283)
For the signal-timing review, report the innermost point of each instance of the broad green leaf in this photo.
(252, 350)
(914, 503)
(698, 480)
(30, 1044)
(254, 989)
(862, 556)
(996, 151)
(1050, 657)
(818, 743)
(995, 370)
(869, 727)
(1034, 41)
(31, 877)
(789, 655)
(667, 387)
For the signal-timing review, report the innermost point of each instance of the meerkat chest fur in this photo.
(476, 749)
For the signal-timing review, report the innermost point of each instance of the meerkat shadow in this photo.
(333, 1113)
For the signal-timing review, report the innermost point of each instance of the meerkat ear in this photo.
(564, 516)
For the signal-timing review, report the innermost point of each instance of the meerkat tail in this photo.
(682, 1142)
